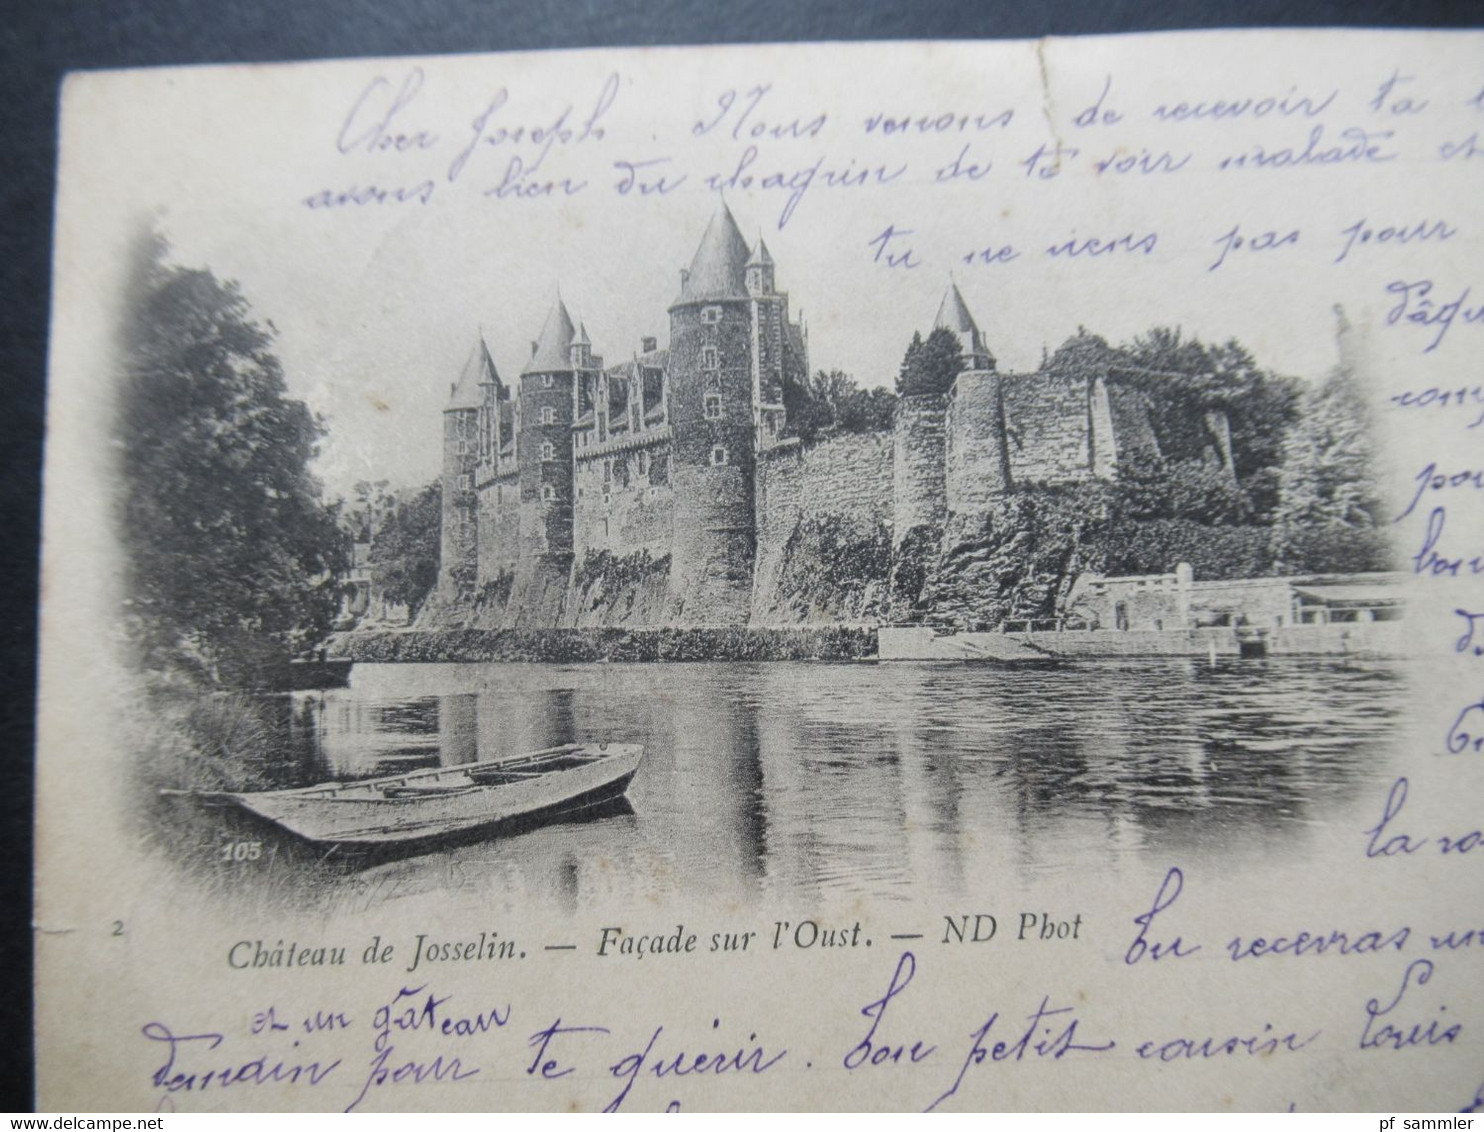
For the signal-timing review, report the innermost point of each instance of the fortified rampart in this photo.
(824, 513)
(663, 490)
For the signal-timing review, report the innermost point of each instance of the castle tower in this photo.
(779, 352)
(953, 314)
(543, 442)
(713, 413)
(492, 393)
(976, 455)
(458, 561)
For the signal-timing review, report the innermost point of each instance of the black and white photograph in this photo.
(774, 557)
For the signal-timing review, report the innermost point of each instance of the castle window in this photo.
(607, 471)
(711, 315)
(643, 463)
(548, 493)
(713, 407)
(708, 357)
(548, 415)
(718, 456)
(546, 380)
(548, 451)
(466, 483)
(461, 447)
(713, 382)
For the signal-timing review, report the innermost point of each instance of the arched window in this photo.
(548, 451)
(718, 456)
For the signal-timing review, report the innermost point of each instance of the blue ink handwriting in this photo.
(1141, 947)
(1400, 1035)
(1417, 306)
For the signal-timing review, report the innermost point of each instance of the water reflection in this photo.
(793, 781)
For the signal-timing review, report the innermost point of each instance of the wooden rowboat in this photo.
(441, 801)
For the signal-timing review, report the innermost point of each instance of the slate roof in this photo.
(554, 346)
(718, 269)
(760, 256)
(953, 314)
(478, 369)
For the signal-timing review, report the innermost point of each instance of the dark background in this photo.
(40, 41)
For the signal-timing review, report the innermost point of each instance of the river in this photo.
(799, 781)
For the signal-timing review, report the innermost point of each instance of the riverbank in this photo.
(584, 646)
(578, 646)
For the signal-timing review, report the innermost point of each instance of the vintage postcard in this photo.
(899, 576)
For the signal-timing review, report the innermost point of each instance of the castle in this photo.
(678, 457)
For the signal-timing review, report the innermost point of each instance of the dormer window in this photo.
(711, 315)
(548, 415)
(718, 456)
(709, 359)
(713, 407)
(548, 451)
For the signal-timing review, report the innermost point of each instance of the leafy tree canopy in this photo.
(833, 403)
(405, 550)
(232, 556)
(1328, 479)
(931, 366)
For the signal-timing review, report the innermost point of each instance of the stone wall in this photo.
(977, 467)
(499, 527)
(457, 547)
(919, 453)
(823, 517)
(1133, 430)
(625, 502)
(618, 591)
(1048, 419)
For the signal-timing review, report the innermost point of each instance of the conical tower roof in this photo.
(718, 269)
(554, 346)
(953, 314)
(478, 370)
(582, 339)
(760, 256)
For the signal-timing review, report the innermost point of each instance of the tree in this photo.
(231, 556)
(931, 366)
(1187, 379)
(404, 552)
(831, 402)
(1328, 468)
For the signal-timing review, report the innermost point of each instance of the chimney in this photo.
(534, 347)
(684, 277)
(648, 345)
